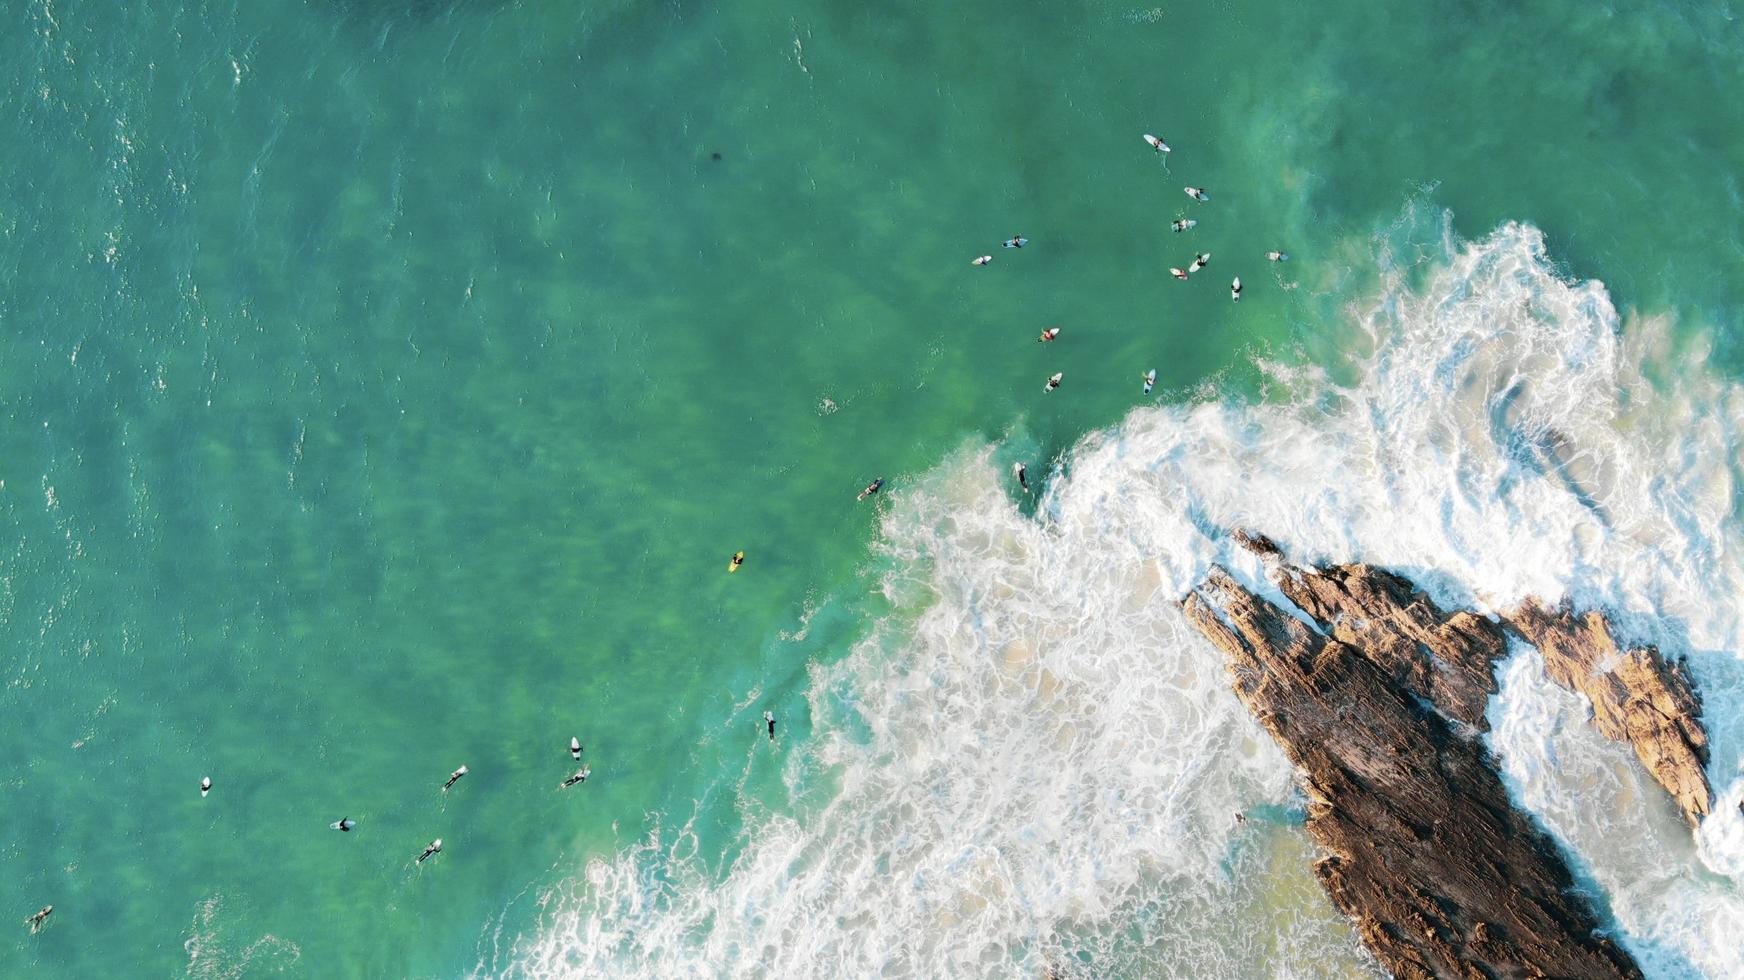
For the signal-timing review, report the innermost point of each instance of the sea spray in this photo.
(1035, 762)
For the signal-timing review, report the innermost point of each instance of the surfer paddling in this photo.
(738, 559)
(1182, 224)
(871, 488)
(1277, 256)
(769, 719)
(1016, 241)
(1180, 274)
(575, 749)
(1157, 144)
(35, 922)
(1197, 193)
(205, 786)
(1048, 335)
(343, 825)
(579, 777)
(983, 260)
(1235, 289)
(1053, 382)
(1022, 475)
(434, 847)
(454, 777)
(1150, 380)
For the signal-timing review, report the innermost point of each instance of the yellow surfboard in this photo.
(738, 559)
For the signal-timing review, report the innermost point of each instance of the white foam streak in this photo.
(1036, 760)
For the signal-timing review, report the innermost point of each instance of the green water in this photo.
(385, 385)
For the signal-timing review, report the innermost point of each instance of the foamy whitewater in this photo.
(1034, 761)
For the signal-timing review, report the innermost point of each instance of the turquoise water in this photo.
(385, 385)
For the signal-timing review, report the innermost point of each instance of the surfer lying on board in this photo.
(871, 488)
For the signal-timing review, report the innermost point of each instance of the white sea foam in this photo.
(1034, 761)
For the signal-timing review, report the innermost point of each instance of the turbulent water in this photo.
(1035, 760)
(384, 387)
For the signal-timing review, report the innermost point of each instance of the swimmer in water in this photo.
(1197, 193)
(983, 260)
(435, 847)
(1022, 476)
(871, 488)
(1016, 241)
(1150, 380)
(769, 719)
(579, 777)
(454, 777)
(1053, 382)
(1235, 289)
(1277, 256)
(1157, 144)
(35, 922)
(1048, 334)
(575, 749)
(1177, 273)
(343, 825)
(1182, 224)
(1199, 261)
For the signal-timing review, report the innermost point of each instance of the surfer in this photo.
(579, 777)
(343, 825)
(1197, 193)
(454, 777)
(1157, 144)
(435, 847)
(1199, 261)
(1022, 476)
(1048, 334)
(1177, 273)
(1016, 241)
(1150, 380)
(1182, 224)
(871, 488)
(1053, 382)
(738, 559)
(1235, 289)
(983, 260)
(769, 719)
(575, 749)
(205, 786)
(1276, 256)
(35, 922)
(1240, 817)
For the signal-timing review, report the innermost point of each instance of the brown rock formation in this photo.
(1637, 697)
(1443, 658)
(1442, 875)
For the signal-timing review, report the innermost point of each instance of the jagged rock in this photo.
(1442, 875)
(1637, 697)
(1445, 659)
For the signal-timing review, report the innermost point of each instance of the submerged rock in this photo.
(1637, 697)
(1442, 875)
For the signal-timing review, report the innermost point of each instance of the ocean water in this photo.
(384, 386)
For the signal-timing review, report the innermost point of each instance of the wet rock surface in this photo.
(1442, 875)
(1637, 696)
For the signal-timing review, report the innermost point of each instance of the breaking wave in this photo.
(1032, 762)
